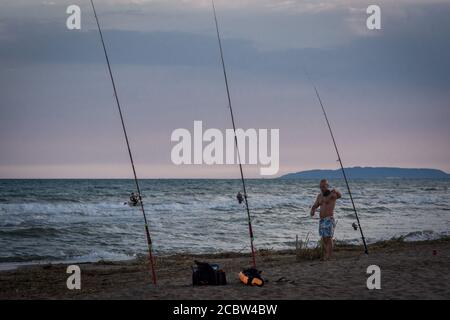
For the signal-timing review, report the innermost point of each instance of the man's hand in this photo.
(336, 194)
(313, 211)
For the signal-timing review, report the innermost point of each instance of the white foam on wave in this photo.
(425, 235)
(100, 255)
(92, 257)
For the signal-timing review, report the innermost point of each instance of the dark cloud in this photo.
(412, 50)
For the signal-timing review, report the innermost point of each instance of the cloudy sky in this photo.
(387, 92)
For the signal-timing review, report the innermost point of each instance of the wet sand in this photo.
(419, 270)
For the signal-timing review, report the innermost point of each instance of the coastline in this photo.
(410, 270)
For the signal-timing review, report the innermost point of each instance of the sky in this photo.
(387, 92)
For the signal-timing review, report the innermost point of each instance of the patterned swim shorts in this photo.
(326, 227)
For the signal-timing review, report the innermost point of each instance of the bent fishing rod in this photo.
(138, 189)
(366, 250)
(250, 229)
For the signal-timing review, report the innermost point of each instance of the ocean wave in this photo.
(16, 259)
(93, 256)
(31, 232)
(47, 209)
(224, 208)
(425, 235)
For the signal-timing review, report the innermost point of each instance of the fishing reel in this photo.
(355, 226)
(240, 197)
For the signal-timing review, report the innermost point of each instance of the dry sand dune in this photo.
(409, 271)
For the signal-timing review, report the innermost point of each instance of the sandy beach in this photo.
(418, 270)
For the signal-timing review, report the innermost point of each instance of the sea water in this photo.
(86, 220)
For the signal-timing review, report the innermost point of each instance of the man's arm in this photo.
(315, 206)
(337, 194)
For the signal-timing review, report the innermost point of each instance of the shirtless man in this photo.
(326, 200)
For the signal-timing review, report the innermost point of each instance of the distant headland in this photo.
(370, 173)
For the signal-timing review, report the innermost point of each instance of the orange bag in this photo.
(251, 277)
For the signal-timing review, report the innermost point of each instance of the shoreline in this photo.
(11, 266)
(410, 270)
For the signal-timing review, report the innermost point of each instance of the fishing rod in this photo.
(366, 250)
(250, 229)
(147, 232)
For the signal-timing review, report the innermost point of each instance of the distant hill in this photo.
(370, 173)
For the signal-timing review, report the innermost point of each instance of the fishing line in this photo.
(147, 232)
(250, 229)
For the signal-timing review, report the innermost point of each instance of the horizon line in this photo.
(216, 178)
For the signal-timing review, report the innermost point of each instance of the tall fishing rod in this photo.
(366, 250)
(147, 232)
(250, 229)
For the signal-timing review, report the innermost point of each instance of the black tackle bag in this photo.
(205, 274)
